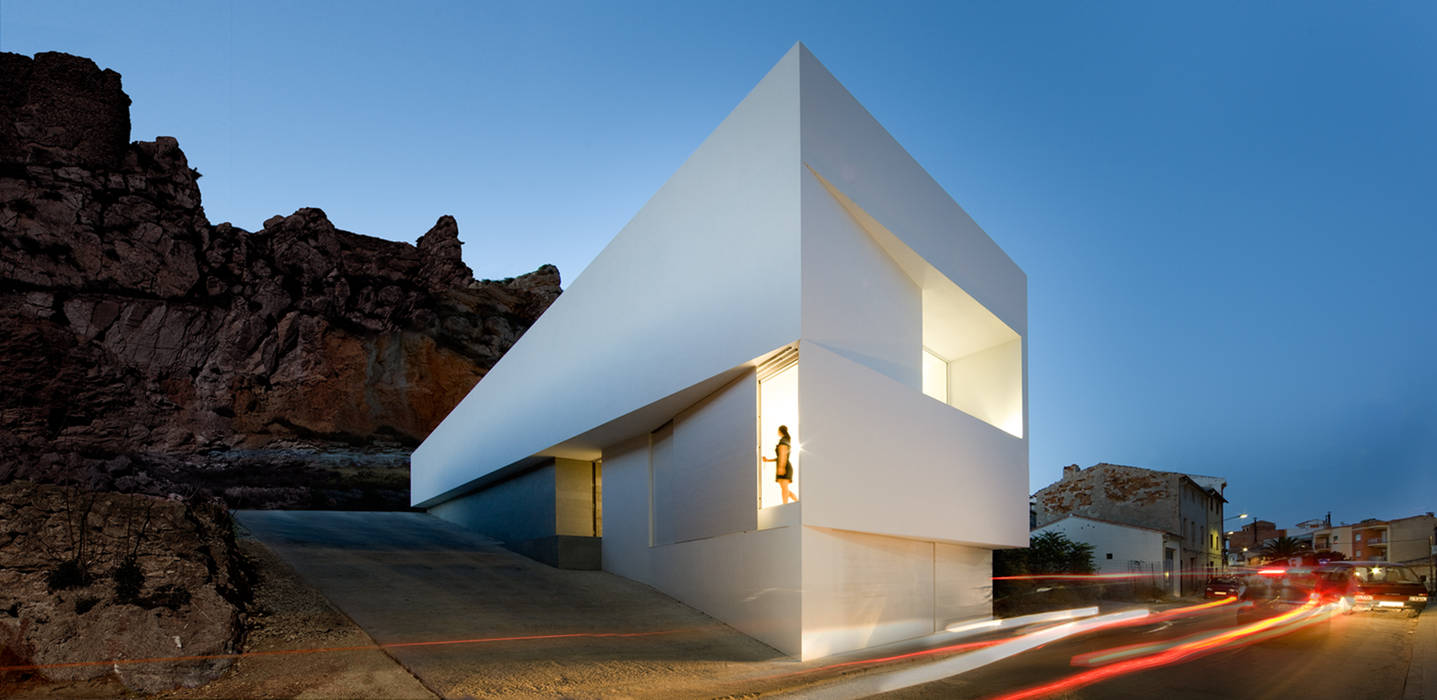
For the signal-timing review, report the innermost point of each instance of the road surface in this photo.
(469, 618)
(1349, 657)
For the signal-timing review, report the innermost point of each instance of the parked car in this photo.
(1223, 587)
(1372, 585)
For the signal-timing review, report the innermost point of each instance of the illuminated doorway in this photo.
(777, 405)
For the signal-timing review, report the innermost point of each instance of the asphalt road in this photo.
(1348, 657)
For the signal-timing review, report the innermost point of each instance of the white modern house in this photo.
(1146, 554)
(800, 268)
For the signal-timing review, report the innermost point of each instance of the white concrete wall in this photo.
(709, 486)
(749, 580)
(844, 143)
(963, 583)
(703, 279)
(861, 590)
(626, 510)
(988, 385)
(881, 457)
(857, 301)
(744, 250)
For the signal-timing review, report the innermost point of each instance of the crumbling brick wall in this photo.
(1112, 492)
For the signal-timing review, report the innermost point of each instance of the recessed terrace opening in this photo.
(972, 361)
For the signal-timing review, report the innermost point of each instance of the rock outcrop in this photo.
(87, 577)
(144, 349)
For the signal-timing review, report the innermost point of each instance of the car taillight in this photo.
(1362, 596)
(1418, 598)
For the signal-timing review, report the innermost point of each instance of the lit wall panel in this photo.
(881, 457)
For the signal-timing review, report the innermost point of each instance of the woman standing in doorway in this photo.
(783, 468)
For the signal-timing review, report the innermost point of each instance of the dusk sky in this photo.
(1226, 212)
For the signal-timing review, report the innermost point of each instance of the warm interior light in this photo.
(973, 352)
(778, 405)
(935, 376)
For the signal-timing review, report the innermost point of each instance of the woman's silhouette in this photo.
(783, 471)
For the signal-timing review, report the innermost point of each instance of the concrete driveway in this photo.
(474, 613)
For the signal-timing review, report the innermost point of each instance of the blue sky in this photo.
(1225, 211)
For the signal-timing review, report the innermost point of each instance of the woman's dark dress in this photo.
(784, 467)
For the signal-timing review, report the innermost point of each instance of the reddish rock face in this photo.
(143, 348)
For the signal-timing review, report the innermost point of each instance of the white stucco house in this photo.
(1146, 554)
(800, 268)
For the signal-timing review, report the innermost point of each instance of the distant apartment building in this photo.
(1188, 505)
(1303, 532)
(1401, 540)
(1334, 538)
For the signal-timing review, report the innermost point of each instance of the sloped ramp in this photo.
(470, 618)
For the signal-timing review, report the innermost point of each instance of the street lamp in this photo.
(1230, 533)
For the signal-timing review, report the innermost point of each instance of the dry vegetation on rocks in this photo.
(88, 576)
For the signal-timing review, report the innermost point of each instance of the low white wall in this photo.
(963, 583)
(862, 590)
(1126, 544)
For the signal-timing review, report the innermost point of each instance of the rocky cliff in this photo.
(144, 349)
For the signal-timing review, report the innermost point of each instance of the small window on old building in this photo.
(1110, 555)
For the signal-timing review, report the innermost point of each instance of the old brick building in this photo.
(1246, 543)
(1186, 505)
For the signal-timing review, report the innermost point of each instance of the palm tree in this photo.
(1282, 548)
